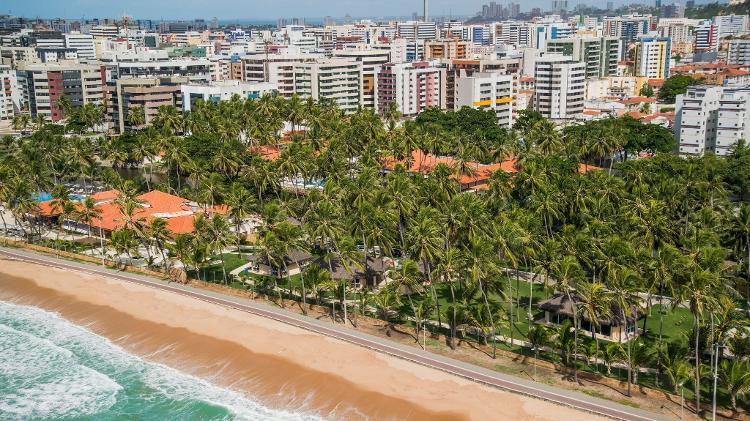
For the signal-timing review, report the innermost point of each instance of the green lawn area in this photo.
(677, 322)
(213, 273)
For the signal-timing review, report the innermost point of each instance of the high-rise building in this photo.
(275, 68)
(412, 87)
(417, 30)
(47, 82)
(372, 60)
(652, 57)
(487, 91)
(559, 87)
(146, 94)
(10, 95)
(336, 80)
(712, 119)
(628, 27)
(706, 36)
(738, 52)
(731, 25)
(82, 43)
(600, 54)
(445, 49)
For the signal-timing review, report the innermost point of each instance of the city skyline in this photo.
(257, 10)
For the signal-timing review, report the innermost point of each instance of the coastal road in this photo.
(468, 371)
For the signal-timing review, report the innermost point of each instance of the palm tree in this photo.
(735, 377)
(568, 274)
(596, 306)
(741, 230)
(88, 212)
(622, 285)
(158, 232)
(538, 336)
(183, 249)
(385, 301)
(241, 205)
(407, 279)
(699, 289)
(448, 270)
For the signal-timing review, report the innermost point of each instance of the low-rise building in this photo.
(224, 91)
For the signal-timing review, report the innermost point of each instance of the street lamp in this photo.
(682, 399)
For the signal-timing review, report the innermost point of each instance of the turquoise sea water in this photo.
(51, 369)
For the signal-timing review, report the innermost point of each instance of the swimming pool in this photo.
(45, 196)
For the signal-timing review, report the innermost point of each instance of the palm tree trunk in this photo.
(343, 301)
(223, 268)
(696, 320)
(510, 303)
(453, 324)
(492, 321)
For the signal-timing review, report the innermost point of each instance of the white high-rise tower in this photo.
(426, 14)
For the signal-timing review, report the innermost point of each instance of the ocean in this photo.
(52, 369)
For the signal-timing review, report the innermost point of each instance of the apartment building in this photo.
(148, 94)
(417, 30)
(712, 119)
(467, 67)
(733, 121)
(193, 69)
(448, 49)
(372, 60)
(10, 99)
(413, 87)
(487, 91)
(706, 36)
(275, 68)
(731, 25)
(104, 32)
(224, 91)
(652, 57)
(335, 80)
(82, 43)
(738, 52)
(46, 83)
(600, 54)
(630, 28)
(680, 30)
(518, 34)
(559, 87)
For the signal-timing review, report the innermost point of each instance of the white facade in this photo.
(413, 87)
(417, 30)
(560, 87)
(224, 91)
(10, 95)
(335, 80)
(731, 25)
(372, 60)
(82, 43)
(696, 115)
(104, 31)
(738, 52)
(487, 91)
(733, 121)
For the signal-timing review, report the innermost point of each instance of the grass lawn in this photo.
(214, 273)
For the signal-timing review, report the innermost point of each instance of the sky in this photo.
(250, 9)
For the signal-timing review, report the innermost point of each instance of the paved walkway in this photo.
(475, 373)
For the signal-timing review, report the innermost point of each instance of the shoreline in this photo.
(281, 366)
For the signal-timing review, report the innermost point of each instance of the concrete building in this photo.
(518, 34)
(652, 57)
(10, 97)
(224, 91)
(731, 25)
(417, 30)
(145, 93)
(275, 68)
(548, 29)
(712, 119)
(630, 28)
(372, 60)
(335, 80)
(104, 31)
(487, 91)
(82, 43)
(413, 87)
(46, 83)
(738, 52)
(599, 54)
(193, 69)
(696, 115)
(559, 87)
(680, 30)
(449, 49)
(706, 36)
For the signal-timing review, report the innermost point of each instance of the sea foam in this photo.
(53, 369)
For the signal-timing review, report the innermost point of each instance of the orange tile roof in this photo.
(637, 100)
(656, 83)
(585, 168)
(105, 196)
(269, 153)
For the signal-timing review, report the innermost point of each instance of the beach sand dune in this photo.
(281, 365)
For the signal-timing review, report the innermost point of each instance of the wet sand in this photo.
(280, 365)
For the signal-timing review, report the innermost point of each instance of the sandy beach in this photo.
(280, 365)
